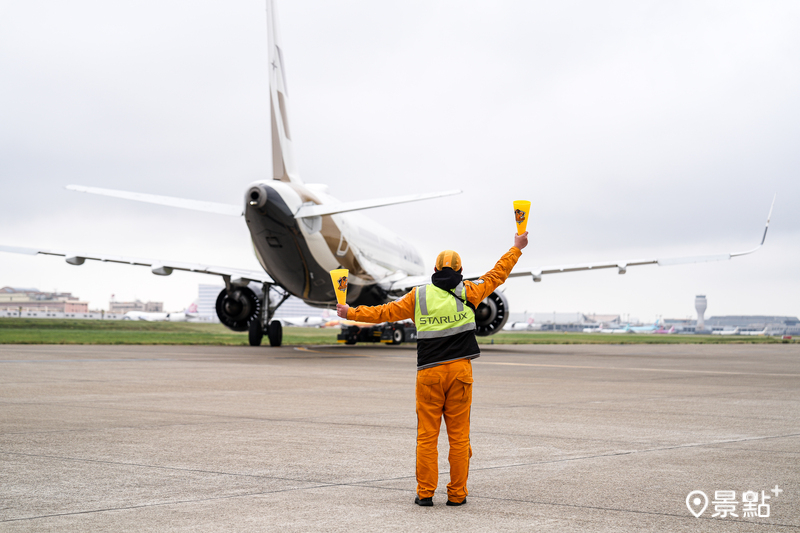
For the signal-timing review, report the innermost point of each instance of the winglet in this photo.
(764, 237)
(769, 216)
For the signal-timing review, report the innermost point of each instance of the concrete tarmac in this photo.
(565, 438)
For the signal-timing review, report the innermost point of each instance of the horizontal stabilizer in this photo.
(197, 205)
(344, 207)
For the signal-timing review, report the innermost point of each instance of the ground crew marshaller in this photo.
(444, 314)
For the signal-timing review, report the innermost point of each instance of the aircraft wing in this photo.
(158, 267)
(622, 266)
(405, 284)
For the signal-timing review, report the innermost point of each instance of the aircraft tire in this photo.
(275, 333)
(255, 332)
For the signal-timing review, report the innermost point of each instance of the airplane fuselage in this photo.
(299, 253)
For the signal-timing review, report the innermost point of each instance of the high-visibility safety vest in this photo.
(445, 326)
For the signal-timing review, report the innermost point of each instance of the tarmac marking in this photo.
(161, 467)
(641, 369)
(575, 505)
(355, 485)
(364, 484)
(618, 510)
(334, 354)
(634, 452)
(162, 504)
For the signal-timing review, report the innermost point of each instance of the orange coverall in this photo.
(443, 390)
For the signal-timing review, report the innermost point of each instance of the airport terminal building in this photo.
(123, 307)
(773, 325)
(34, 300)
(565, 321)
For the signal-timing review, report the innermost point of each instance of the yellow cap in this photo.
(448, 258)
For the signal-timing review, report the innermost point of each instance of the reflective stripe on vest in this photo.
(437, 314)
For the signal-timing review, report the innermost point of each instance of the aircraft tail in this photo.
(283, 164)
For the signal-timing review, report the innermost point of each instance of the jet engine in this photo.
(238, 307)
(491, 314)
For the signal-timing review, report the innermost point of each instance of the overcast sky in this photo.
(637, 129)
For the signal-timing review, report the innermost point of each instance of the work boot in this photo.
(424, 502)
(452, 504)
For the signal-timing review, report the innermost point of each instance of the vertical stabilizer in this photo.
(283, 167)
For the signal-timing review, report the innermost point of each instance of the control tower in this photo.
(700, 304)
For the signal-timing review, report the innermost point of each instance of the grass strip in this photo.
(67, 331)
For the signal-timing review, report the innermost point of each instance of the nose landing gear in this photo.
(262, 323)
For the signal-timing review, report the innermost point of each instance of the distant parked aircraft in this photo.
(523, 326)
(304, 321)
(159, 317)
(762, 332)
(625, 329)
(186, 315)
(662, 331)
(726, 332)
(645, 329)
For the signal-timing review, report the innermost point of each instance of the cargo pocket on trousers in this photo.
(466, 381)
(424, 384)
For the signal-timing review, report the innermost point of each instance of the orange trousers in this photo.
(444, 390)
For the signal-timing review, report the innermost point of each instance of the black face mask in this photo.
(446, 278)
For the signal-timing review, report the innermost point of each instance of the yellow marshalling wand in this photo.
(339, 279)
(522, 210)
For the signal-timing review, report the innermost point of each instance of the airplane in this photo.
(624, 329)
(734, 331)
(157, 317)
(662, 331)
(304, 321)
(300, 232)
(523, 326)
(308, 321)
(188, 314)
(645, 329)
(326, 319)
(754, 333)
